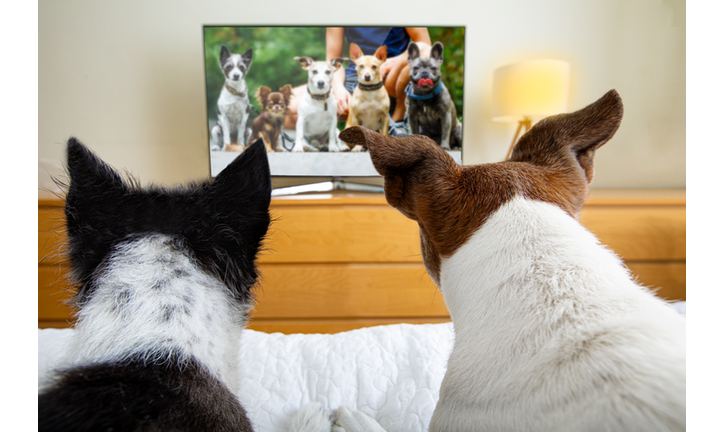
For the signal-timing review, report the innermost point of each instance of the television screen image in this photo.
(297, 88)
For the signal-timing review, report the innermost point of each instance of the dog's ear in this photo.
(436, 51)
(407, 163)
(237, 210)
(355, 51)
(94, 205)
(337, 62)
(413, 52)
(305, 62)
(381, 53)
(89, 176)
(248, 54)
(262, 94)
(571, 140)
(224, 55)
(287, 92)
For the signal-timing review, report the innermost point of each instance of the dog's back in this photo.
(164, 281)
(551, 333)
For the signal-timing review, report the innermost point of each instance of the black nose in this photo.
(320, 84)
(424, 74)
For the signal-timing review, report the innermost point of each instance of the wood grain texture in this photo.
(333, 325)
(341, 233)
(640, 233)
(347, 291)
(342, 261)
(667, 280)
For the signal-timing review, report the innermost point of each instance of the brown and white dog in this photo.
(370, 103)
(551, 332)
(268, 124)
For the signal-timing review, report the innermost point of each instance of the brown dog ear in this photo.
(287, 92)
(381, 53)
(305, 62)
(337, 62)
(355, 51)
(261, 94)
(571, 140)
(406, 162)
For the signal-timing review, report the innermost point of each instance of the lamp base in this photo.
(523, 125)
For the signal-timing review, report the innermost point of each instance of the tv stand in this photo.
(333, 185)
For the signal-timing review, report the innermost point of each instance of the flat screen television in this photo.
(248, 62)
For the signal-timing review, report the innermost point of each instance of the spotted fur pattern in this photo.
(165, 279)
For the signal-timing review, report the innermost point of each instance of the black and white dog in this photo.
(164, 280)
(232, 107)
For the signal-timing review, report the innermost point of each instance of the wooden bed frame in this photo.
(341, 261)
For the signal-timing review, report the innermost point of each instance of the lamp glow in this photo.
(528, 90)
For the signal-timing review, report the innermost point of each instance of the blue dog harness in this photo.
(411, 95)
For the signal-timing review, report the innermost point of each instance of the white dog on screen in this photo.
(317, 113)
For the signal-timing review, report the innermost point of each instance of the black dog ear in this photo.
(436, 51)
(246, 181)
(571, 140)
(413, 51)
(224, 55)
(89, 176)
(92, 209)
(238, 212)
(246, 57)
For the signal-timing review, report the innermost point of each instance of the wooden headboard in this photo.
(341, 261)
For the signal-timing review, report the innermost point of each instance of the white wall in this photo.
(127, 77)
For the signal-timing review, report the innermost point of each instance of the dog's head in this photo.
(235, 66)
(368, 66)
(320, 73)
(424, 71)
(553, 162)
(274, 102)
(219, 223)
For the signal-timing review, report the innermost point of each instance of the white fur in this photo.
(313, 119)
(205, 323)
(351, 420)
(312, 417)
(552, 334)
(233, 110)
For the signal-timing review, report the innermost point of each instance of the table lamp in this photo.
(529, 89)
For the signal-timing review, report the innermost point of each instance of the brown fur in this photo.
(268, 125)
(553, 162)
(369, 108)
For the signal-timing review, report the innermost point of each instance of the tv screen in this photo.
(296, 88)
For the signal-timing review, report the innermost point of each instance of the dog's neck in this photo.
(526, 254)
(410, 92)
(318, 96)
(370, 87)
(151, 300)
(236, 88)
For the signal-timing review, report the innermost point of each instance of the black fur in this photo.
(134, 396)
(220, 223)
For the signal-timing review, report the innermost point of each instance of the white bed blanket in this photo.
(392, 373)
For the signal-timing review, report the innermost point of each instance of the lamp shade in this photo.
(529, 89)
